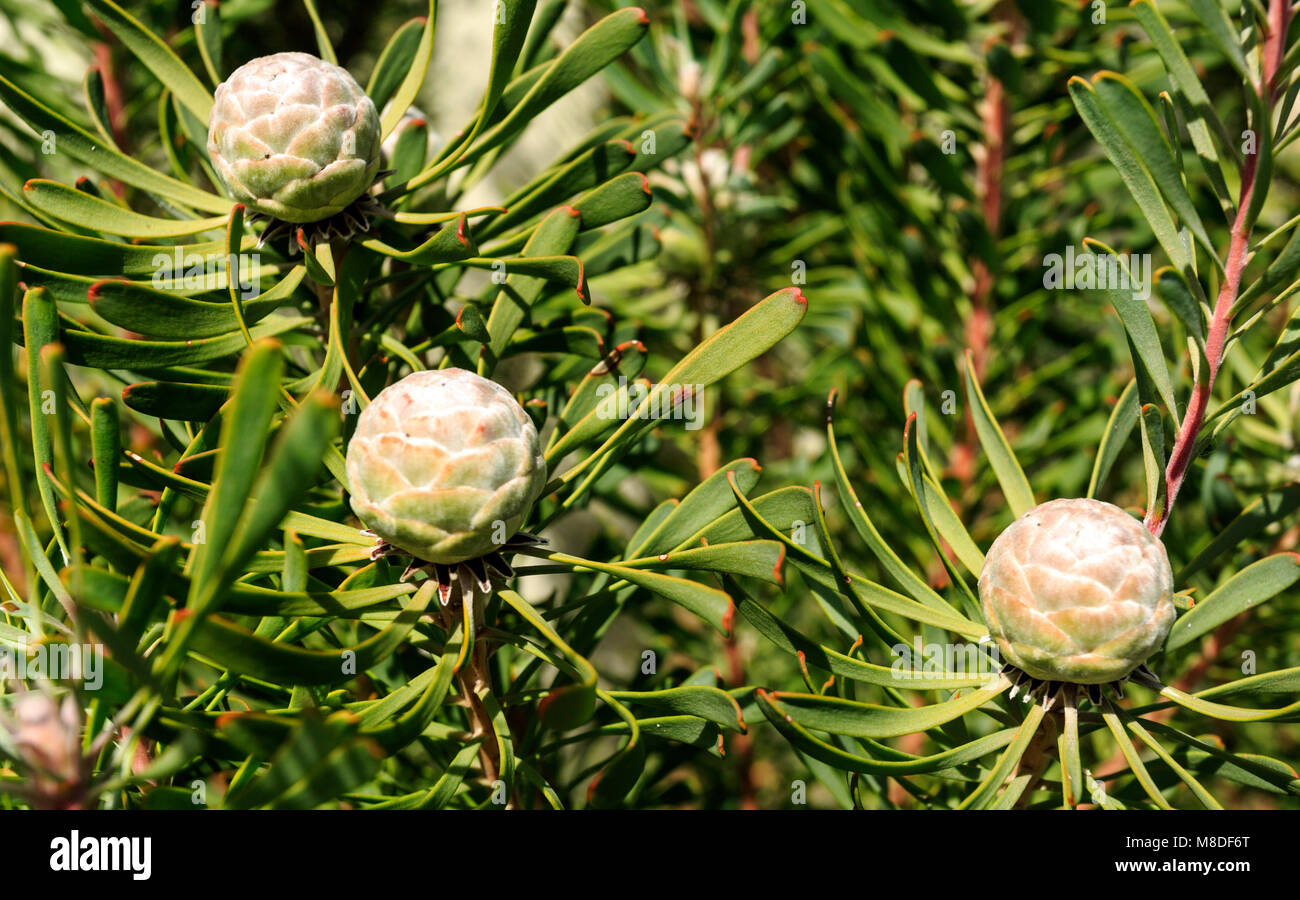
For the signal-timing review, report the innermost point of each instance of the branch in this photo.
(1180, 459)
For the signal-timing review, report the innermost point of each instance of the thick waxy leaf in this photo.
(87, 349)
(448, 244)
(157, 57)
(245, 434)
(618, 198)
(572, 705)
(1248, 588)
(10, 404)
(724, 351)
(1253, 519)
(803, 738)
(552, 237)
(1131, 113)
(710, 604)
(169, 400)
(709, 703)
(314, 763)
(508, 34)
(56, 251)
(594, 49)
(941, 521)
(1118, 428)
(323, 46)
(710, 499)
(40, 331)
(207, 34)
(395, 62)
(866, 529)
(1203, 124)
(1227, 713)
(845, 666)
(596, 166)
(1020, 497)
(565, 270)
(756, 559)
(868, 720)
(161, 314)
(1134, 760)
(1101, 120)
(415, 71)
(239, 650)
(1134, 313)
(986, 794)
(864, 590)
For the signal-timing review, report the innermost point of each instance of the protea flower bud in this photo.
(445, 465)
(1077, 591)
(49, 734)
(294, 137)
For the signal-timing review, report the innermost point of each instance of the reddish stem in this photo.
(1180, 459)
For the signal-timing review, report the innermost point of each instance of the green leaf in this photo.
(416, 69)
(903, 576)
(508, 33)
(156, 56)
(40, 331)
(707, 501)
(941, 522)
(622, 196)
(1020, 496)
(1101, 120)
(1134, 117)
(552, 237)
(721, 353)
(9, 396)
(571, 705)
(1198, 704)
(101, 352)
(1118, 428)
(551, 188)
(806, 741)
(447, 244)
(295, 461)
(1177, 295)
(868, 720)
(1246, 589)
(710, 604)
(395, 61)
(244, 436)
(81, 209)
(1257, 515)
(1135, 315)
(1130, 753)
(1190, 93)
(239, 650)
(165, 315)
(96, 104)
(829, 660)
(1211, 15)
(323, 46)
(444, 789)
(986, 794)
(171, 400)
(1153, 457)
(207, 35)
(106, 445)
(144, 595)
(90, 148)
(75, 254)
(594, 49)
(706, 702)
(756, 559)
